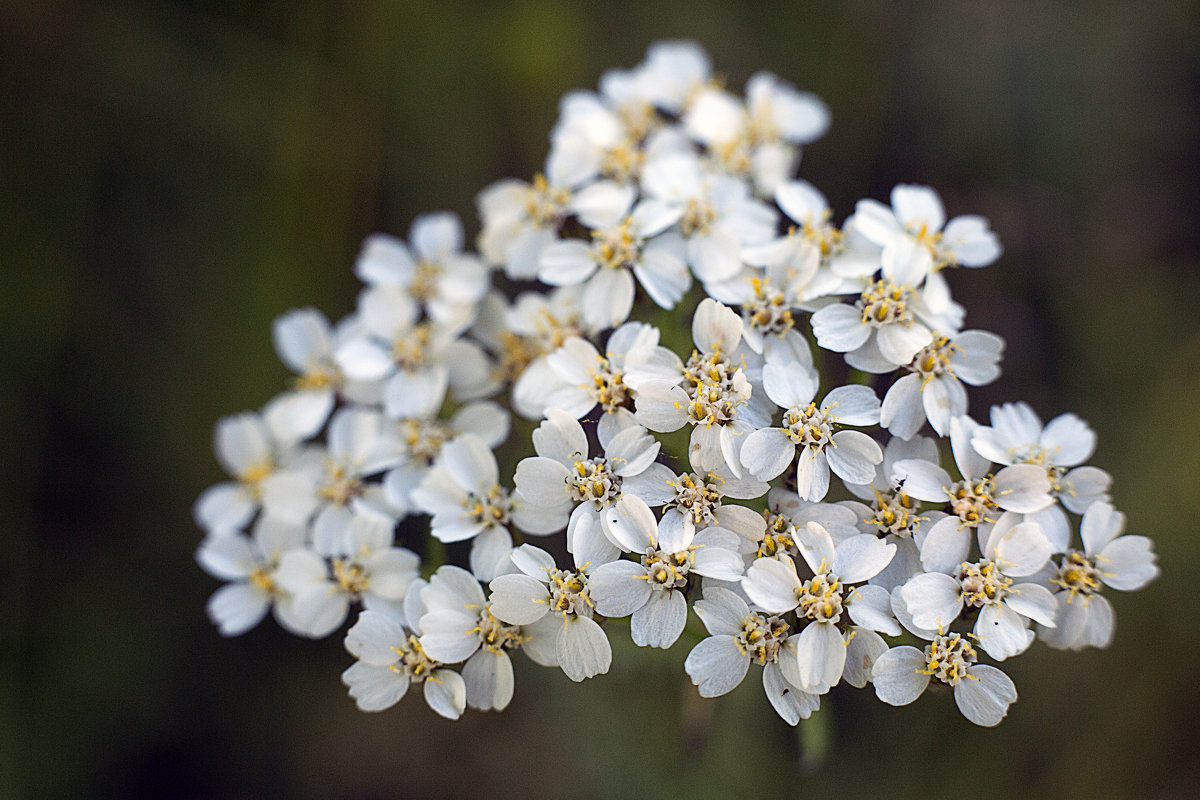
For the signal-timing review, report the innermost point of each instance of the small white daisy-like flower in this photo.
(464, 495)
(587, 379)
(890, 322)
(305, 343)
(420, 441)
(391, 659)
(1016, 436)
(917, 216)
(627, 241)
(808, 433)
(433, 268)
(417, 359)
(249, 564)
(982, 692)
(933, 388)
(936, 598)
(248, 451)
(737, 638)
(521, 219)
(773, 585)
(767, 300)
(1125, 563)
(366, 568)
(458, 626)
(715, 213)
(650, 589)
(716, 397)
(542, 591)
(327, 484)
(760, 136)
(977, 502)
(568, 486)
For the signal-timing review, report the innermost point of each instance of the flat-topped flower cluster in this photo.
(871, 532)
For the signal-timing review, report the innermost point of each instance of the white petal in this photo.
(237, 607)
(871, 608)
(518, 599)
(772, 585)
(946, 545)
(631, 524)
(933, 599)
(375, 688)
(853, 456)
(788, 700)
(619, 588)
(839, 327)
(985, 701)
(898, 676)
(1034, 601)
(862, 649)
(1001, 632)
(822, 655)
(721, 611)
(716, 665)
(1127, 563)
(583, 649)
(489, 678)
(1022, 487)
(446, 693)
(659, 622)
(861, 557)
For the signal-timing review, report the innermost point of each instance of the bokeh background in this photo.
(173, 175)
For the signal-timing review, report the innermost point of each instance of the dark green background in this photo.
(174, 175)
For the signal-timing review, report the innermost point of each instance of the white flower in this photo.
(458, 626)
(760, 136)
(716, 397)
(892, 514)
(844, 253)
(305, 343)
(917, 216)
(574, 490)
(542, 591)
(389, 661)
(773, 585)
(933, 389)
(890, 321)
(1016, 436)
(672, 74)
(365, 568)
(326, 484)
(976, 501)
(936, 598)
(247, 450)
(249, 564)
(651, 589)
(625, 240)
(808, 432)
(464, 495)
(738, 637)
(715, 213)
(982, 693)
(586, 379)
(420, 442)
(418, 360)
(520, 219)
(767, 299)
(436, 273)
(1125, 563)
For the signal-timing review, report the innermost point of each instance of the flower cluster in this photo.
(871, 532)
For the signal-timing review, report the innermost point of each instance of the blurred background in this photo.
(174, 175)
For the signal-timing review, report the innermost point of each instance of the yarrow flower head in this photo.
(539, 380)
